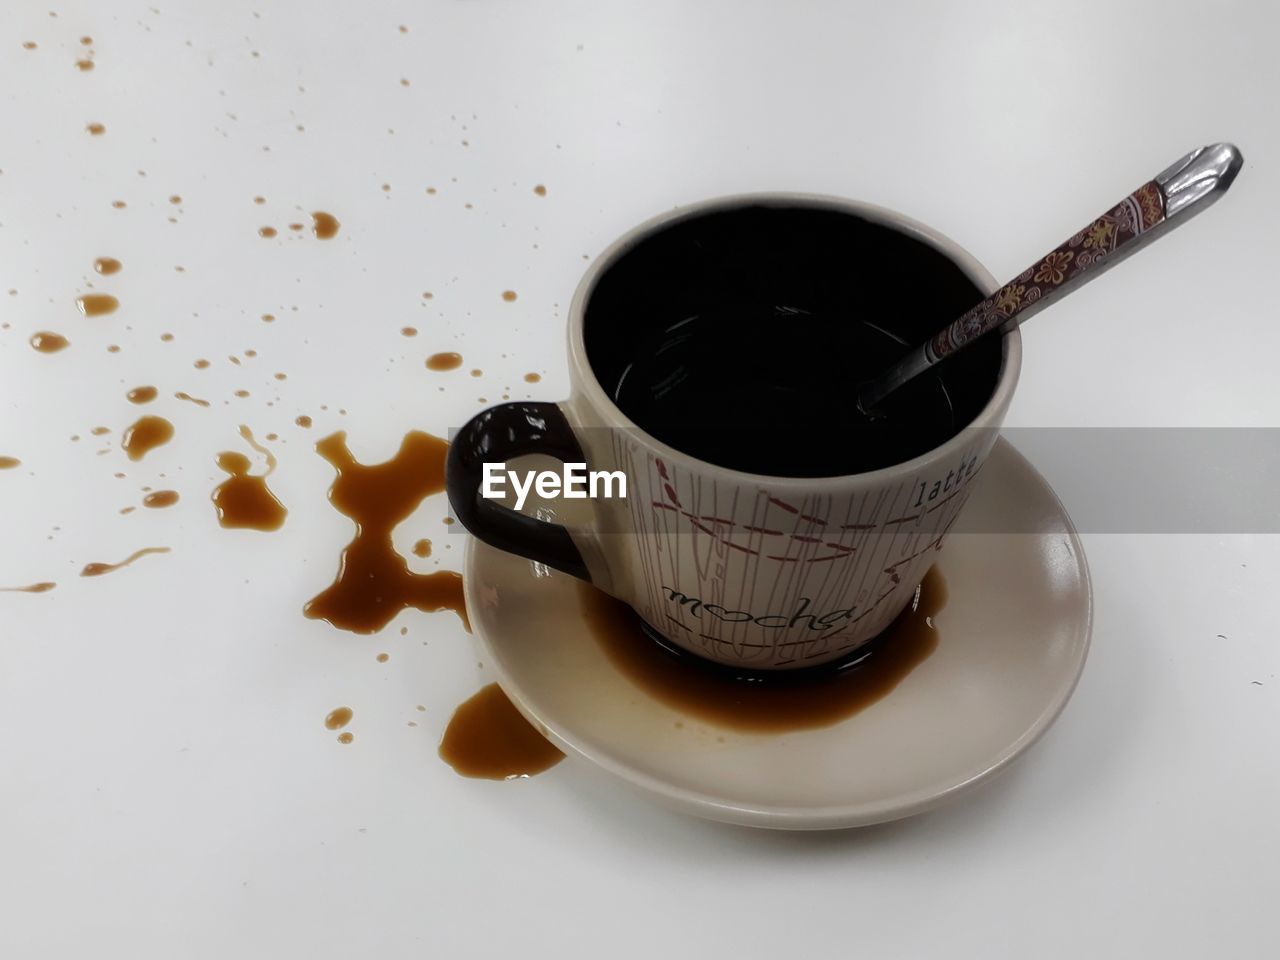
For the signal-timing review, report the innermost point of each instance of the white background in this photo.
(167, 788)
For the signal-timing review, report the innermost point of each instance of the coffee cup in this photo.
(714, 353)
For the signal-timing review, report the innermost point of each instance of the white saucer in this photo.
(1014, 635)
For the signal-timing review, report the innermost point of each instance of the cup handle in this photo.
(499, 434)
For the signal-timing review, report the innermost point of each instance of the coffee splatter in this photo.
(8, 463)
(345, 737)
(141, 394)
(303, 421)
(338, 718)
(488, 738)
(98, 569)
(144, 435)
(509, 296)
(243, 501)
(107, 266)
(97, 304)
(95, 129)
(84, 65)
(190, 399)
(444, 361)
(43, 587)
(267, 232)
(408, 331)
(324, 225)
(422, 548)
(374, 582)
(161, 498)
(540, 190)
(47, 342)
(532, 377)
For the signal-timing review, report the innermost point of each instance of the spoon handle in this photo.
(1186, 188)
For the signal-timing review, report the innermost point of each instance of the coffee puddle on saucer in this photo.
(714, 695)
(487, 738)
(374, 582)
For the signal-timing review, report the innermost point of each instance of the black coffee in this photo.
(739, 337)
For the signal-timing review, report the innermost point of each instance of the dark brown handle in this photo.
(495, 436)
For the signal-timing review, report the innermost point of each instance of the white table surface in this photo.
(167, 788)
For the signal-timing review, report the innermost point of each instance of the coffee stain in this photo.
(8, 463)
(95, 129)
(509, 296)
(141, 395)
(532, 377)
(444, 361)
(160, 499)
(190, 399)
(374, 582)
(540, 190)
(46, 342)
(106, 266)
(488, 738)
(324, 225)
(422, 548)
(97, 304)
(43, 587)
(338, 717)
(98, 569)
(243, 501)
(303, 421)
(144, 435)
(766, 702)
(345, 737)
(267, 232)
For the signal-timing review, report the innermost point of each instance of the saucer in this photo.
(1013, 638)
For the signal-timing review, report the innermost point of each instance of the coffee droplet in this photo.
(107, 266)
(408, 331)
(145, 435)
(444, 361)
(532, 377)
(98, 569)
(95, 129)
(509, 295)
(141, 394)
(8, 463)
(43, 587)
(267, 232)
(190, 399)
(201, 364)
(303, 421)
(243, 501)
(324, 225)
(488, 738)
(383, 657)
(47, 342)
(540, 190)
(345, 737)
(97, 304)
(159, 499)
(374, 582)
(84, 65)
(422, 548)
(338, 718)
(718, 696)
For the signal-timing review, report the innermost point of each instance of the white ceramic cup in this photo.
(747, 570)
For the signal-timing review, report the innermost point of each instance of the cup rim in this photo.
(584, 382)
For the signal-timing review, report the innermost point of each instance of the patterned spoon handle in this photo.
(1172, 198)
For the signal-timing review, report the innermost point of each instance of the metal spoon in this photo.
(1175, 196)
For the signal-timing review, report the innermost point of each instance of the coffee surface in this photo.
(739, 336)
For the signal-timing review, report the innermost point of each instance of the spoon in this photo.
(1186, 188)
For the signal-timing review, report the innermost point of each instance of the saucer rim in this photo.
(899, 806)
